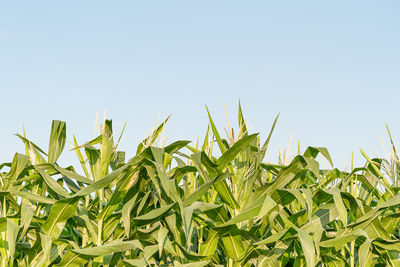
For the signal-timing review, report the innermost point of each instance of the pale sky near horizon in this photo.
(332, 69)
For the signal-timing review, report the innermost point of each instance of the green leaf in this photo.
(26, 217)
(242, 122)
(61, 211)
(154, 214)
(58, 137)
(105, 181)
(363, 252)
(340, 206)
(238, 147)
(126, 214)
(194, 264)
(216, 134)
(266, 143)
(307, 245)
(52, 183)
(11, 237)
(46, 242)
(221, 186)
(34, 198)
(232, 244)
(248, 214)
(210, 245)
(114, 247)
(343, 239)
(176, 146)
(72, 259)
(106, 148)
(152, 138)
(312, 152)
(199, 192)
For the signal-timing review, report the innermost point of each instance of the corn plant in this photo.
(182, 205)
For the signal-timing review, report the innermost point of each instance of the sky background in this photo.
(331, 68)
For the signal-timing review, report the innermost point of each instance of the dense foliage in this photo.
(181, 205)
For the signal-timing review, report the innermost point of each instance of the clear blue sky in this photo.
(332, 68)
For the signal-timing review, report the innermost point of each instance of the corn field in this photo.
(215, 202)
